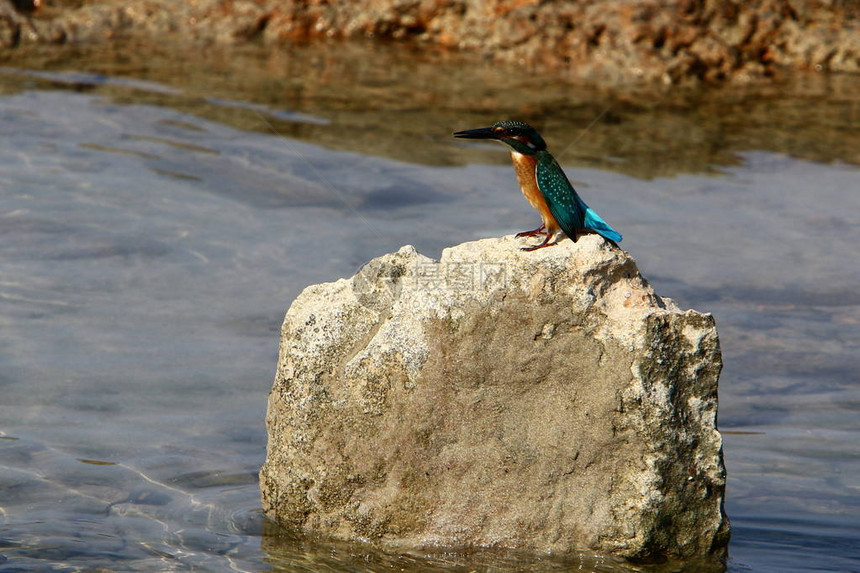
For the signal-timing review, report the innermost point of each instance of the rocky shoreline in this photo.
(620, 42)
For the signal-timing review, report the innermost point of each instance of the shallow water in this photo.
(151, 239)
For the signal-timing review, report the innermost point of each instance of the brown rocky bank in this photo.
(616, 41)
(546, 400)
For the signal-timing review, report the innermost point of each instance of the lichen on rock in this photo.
(547, 400)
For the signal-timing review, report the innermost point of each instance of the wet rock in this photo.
(546, 400)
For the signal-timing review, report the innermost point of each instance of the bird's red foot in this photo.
(539, 231)
(536, 247)
(545, 243)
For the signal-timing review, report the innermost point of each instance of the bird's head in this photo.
(522, 137)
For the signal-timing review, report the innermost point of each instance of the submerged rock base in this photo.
(547, 400)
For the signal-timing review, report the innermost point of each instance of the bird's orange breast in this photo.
(525, 166)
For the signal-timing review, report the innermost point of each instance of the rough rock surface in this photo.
(546, 400)
(667, 41)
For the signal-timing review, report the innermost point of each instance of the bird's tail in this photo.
(595, 223)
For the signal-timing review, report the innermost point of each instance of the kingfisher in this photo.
(544, 185)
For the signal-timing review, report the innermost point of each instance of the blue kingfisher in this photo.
(544, 185)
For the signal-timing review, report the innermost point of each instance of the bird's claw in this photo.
(533, 233)
(540, 246)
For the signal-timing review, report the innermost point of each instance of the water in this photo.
(152, 237)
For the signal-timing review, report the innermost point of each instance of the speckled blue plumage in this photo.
(568, 209)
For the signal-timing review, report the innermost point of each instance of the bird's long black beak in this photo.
(482, 133)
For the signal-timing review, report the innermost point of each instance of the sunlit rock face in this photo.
(546, 400)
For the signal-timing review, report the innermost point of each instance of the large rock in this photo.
(547, 400)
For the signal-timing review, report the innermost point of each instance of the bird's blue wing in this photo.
(569, 210)
(563, 202)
